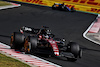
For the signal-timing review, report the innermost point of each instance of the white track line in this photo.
(45, 61)
(5, 45)
(9, 6)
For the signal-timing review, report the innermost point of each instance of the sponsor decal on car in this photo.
(54, 46)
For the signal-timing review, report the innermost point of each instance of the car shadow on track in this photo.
(84, 49)
(5, 36)
(5, 39)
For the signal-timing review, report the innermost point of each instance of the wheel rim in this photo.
(27, 46)
(11, 41)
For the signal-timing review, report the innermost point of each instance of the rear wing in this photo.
(29, 30)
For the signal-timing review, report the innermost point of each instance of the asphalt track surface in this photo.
(70, 26)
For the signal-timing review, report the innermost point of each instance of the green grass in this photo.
(3, 3)
(10, 62)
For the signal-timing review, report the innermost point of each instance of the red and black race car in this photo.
(59, 6)
(42, 41)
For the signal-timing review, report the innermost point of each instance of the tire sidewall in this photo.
(74, 49)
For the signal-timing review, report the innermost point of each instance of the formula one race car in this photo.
(63, 7)
(42, 41)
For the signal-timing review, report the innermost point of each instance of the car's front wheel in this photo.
(72, 9)
(75, 50)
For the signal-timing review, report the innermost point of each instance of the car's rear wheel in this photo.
(17, 40)
(31, 44)
(72, 9)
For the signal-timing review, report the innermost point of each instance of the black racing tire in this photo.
(75, 50)
(72, 9)
(17, 41)
(32, 45)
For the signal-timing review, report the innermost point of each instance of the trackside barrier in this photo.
(92, 6)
